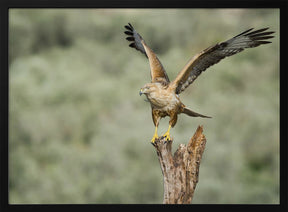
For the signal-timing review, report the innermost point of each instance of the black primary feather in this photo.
(135, 38)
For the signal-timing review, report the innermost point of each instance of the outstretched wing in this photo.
(158, 73)
(214, 54)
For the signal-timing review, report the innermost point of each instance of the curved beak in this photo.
(141, 91)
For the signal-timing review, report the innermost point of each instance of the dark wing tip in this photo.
(257, 37)
(260, 33)
(261, 36)
(264, 42)
(132, 45)
(244, 33)
(134, 38)
(128, 33)
(130, 38)
(131, 26)
(256, 33)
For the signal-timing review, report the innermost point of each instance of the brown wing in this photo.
(214, 54)
(158, 73)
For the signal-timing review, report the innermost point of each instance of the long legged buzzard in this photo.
(163, 95)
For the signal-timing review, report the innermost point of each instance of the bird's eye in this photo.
(148, 87)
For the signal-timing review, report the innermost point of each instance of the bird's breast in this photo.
(163, 100)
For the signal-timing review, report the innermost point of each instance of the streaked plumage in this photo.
(163, 95)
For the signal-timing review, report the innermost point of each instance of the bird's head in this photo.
(147, 89)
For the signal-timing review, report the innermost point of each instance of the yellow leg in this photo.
(155, 136)
(167, 134)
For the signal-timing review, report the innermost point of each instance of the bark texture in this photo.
(181, 170)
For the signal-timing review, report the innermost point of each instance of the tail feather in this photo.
(194, 114)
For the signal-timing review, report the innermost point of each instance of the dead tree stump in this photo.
(181, 171)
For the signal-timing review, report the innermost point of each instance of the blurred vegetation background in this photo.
(80, 133)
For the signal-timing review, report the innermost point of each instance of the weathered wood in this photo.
(180, 171)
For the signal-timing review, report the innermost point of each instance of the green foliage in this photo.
(79, 132)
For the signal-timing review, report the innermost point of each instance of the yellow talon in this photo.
(155, 136)
(167, 134)
(154, 139)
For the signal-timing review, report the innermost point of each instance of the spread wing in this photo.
(158, 73)
(214, 54)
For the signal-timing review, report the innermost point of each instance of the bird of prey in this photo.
(163, 95)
